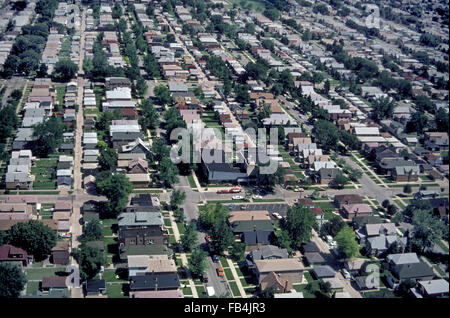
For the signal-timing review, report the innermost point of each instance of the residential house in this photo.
(95, 287)
(289, 268)
(154, 282)
(349, 211)
(345, 199)
(15, 255)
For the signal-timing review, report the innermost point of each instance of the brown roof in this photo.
(278, 265)
(63, 205)
(5, 225)
(281, 283)
(61, 246)
(348, 197)
(248, 215)
(54, 281)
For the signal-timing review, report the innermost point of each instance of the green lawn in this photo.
(382, 293)
(39, 273)
(32, 287)
(110, 276)
(302, 289)
(187, 291)
(223, 261)
(191, 182)
(234, 289)
(201, 291)
(167, 222)
(442, 245)
(228, 274)
(114, 290)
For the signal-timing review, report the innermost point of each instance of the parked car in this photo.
(230, 206)
(215, 258)
(204, 278)
(220, 272)
(235, 190)
(346, 274)
(277, 215)
(208, 238)
(237, 197)
(257, 196)
(243, 207)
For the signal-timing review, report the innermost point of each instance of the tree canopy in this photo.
(33, 236)
(117, 188)
(346, 242)
(12, 280)
(49, 136)
(90, 260)
(299, 224)
(65, 70)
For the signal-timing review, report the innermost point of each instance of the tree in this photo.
(383, 108)
(321, 8)
(423, 103)
(93, 231)
(237, 251)
(108, 159)
(179, 215)
(270, 180)
(117, 188)
(197, 262)
(441, 119)
(283, 239)
(397, 218)
(177, 198)
(269, 292)
(427, 230)
(12, 280)
(325, 288)
(272, 13)
(189, 240)
(241, 93)
(221, 236)
(339, 181)
(407, 188)
(173, 120)
(150, 116)
(326, 87)
(349, 140)
(354, 174)
(326, 133)
(334, 225)
(211, 214)
(43, 69)
(168, 172)
(141, 87)
(49, 136)
(162, 94)
(299, 224)
(65, 70)
(417, 123)
(347, 245)
(33, 236)
(90, 260)
(392, 209)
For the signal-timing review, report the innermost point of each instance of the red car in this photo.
(208, 238)
(235, 190)
(222, 191)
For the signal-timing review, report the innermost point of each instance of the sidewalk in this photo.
(183, 256)
(236, 276)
